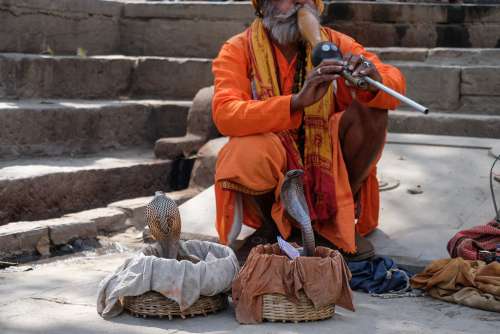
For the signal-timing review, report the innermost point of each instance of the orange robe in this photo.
(254, 156)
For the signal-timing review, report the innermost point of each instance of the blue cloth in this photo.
(377, 275)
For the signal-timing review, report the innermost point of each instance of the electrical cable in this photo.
(497, 212)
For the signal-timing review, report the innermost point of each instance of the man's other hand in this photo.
(359, 66)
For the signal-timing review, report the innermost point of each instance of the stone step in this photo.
(41, 188)
(31, 239)
(445, 80)
(435, 123)
(69, 127)
(453, 88)
(443, 56)
(153, 27)
(101, 77)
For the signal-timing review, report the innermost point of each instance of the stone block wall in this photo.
(185, 29)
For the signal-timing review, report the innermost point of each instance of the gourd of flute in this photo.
(309, 28)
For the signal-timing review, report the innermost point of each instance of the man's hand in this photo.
(359, 66)
(316, 84)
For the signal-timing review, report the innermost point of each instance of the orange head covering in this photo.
(258, 3)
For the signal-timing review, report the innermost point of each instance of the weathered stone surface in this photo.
(39, 189)
(56, 127)
(20, 237)
(390, 24)
(385, 12)
(30, 76)
(171, 77)
(95, 7)
(200, 121)
(198, 219)
(487, 105)
(135, 208)
(362, 32)
(187, 10)
(169, 118)
(177, 147)
(464, 56)
(66, 229)
(436, 87)
(483, 80)
(101, 77)
(162, 37)
(445, 124)
(203, 172)
(43, 246)
(401, 54)
(153, 27)
(200, 128)
(105, 219)
(440, 56)
(33, 26)
(484, 36)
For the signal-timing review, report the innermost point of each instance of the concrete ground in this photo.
(59, 295)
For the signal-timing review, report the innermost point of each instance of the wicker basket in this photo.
(277, 307)
(154, 304)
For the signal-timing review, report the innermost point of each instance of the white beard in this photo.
(283, 27)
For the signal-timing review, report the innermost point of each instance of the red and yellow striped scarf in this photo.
(317, 163)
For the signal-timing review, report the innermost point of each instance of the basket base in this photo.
(154, 305)
(277, 308)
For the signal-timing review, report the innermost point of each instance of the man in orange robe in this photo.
(281, 113)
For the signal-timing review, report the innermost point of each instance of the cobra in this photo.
(164, 221)
(294, 202)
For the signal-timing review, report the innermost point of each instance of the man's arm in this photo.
(233, 110)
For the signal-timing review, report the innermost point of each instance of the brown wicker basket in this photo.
(277, 307)
(154, 304)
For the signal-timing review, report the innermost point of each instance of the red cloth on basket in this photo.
(468, 243)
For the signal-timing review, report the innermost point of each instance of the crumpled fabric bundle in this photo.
(324, 279)
(471, 283)
(378, 275)
(181, 281)
(468, 243)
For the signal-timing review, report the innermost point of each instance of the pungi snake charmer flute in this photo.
(310, 29)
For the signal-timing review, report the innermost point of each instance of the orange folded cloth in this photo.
(471, 283)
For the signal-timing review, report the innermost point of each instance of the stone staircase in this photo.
(78, 131)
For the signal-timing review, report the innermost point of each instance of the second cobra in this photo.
(294, 201)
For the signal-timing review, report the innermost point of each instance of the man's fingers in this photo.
(327, 62)
(322, 78)
(328, 69)
(356, 64)
(366, 71)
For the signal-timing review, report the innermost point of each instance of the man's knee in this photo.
(255, 149)
(366, 120)
(255, 162)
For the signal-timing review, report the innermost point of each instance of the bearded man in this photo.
(281, 113)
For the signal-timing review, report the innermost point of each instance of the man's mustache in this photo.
(285, 16)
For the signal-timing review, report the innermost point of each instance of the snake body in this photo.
(294, 201)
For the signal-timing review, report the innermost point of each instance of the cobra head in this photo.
(163, 217)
